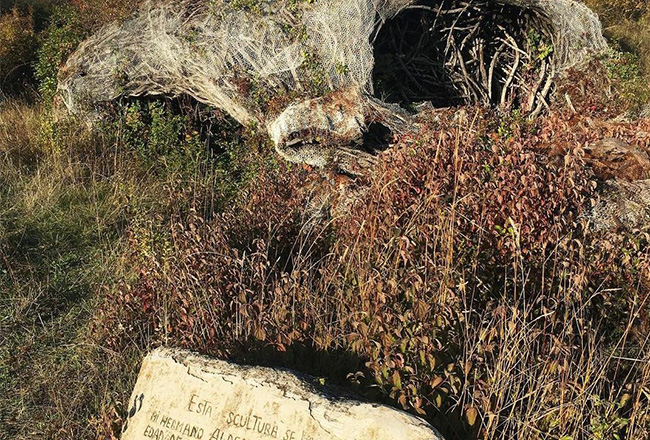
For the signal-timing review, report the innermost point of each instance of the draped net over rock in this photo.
(320, 72)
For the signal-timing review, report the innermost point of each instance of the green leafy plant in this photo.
(62, 36)
(625, 71)
(161, 139)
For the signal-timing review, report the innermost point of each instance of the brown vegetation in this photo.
(100, 12)
(464, 285)
(17, 45)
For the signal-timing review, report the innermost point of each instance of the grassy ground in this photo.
(464, 285)
(627, 25)
(69, 198)
(61, 226)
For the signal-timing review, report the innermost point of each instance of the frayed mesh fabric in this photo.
(259, 61)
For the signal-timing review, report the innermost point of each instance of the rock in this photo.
(623, 205)
(614, 159)
(625, 192)
(180, 395)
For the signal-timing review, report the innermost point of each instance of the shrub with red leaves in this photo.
(462, 282)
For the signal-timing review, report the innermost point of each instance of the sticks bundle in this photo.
(465, 51)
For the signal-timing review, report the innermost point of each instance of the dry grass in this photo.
(60, 220)
(67, 197)
(100, 12)
(626, 23)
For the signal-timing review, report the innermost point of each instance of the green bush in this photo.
(183, 138)
(626, 72)
(62, 36)
(159, 137)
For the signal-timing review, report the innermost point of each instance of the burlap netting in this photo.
(272, 62)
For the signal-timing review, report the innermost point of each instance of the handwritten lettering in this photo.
(233, 425)
(186, 429)
(159, 434)
(221, 435)
(155, 433)
(203, 407)
(251, 422)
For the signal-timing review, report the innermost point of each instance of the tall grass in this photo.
(626, 24)
(67, 200)
(65, 197)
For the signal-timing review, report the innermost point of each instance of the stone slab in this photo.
(183, 396)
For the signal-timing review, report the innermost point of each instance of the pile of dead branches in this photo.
(466, 52)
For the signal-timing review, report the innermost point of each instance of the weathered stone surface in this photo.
(180, 395)
(614, 159)
(623, 205)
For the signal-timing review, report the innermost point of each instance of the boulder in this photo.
(180, 395)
